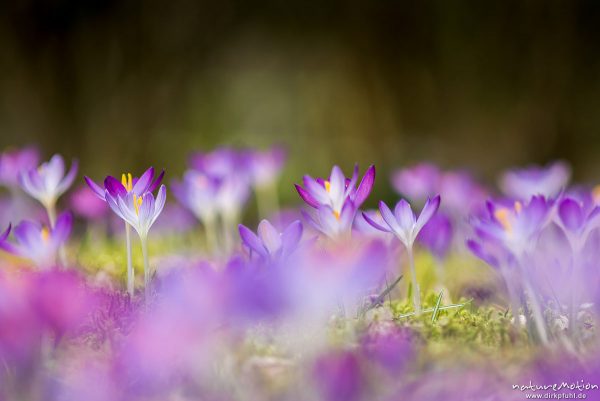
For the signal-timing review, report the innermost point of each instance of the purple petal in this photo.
(365, 186)
(306, 197)
(146, 210)
(62, 229)
(269, 236)
(5, 234)
(291, 237)
(97, 189)
(143, 183)
(67, 181)
(375, 224)
(252, 241)
(114, 187)
(430, 208)
(347, 214)
(404, 215)
(571, 214)
(389, 217)
(156, 182)
(337, 181)
(316, 190)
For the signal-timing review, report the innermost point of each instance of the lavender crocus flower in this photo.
(38, 243)
(336, 200)
(547, 181)
(269, 244)
(48, 182)
(417, 182)
(139, 186)
(13, 162)
(406, 226)
(265, 166)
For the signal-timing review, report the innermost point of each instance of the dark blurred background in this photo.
(481, 84)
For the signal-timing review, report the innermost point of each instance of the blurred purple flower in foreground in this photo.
(87, 204)
(547, 181)
(38, 243)
(338, 376)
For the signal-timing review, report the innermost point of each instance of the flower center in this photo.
(327, 186)
(127, 182)
(45, 234)
(503, 216)
(137, 202)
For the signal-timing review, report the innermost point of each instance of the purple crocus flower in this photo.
(198, 193)
(13, 162)
(336, 199)
(577, 218)
(48, 182)
(402, 222)
(86, 204)
(417, 182)
(436, 235)
(547, 181)
(339, 377)
(138, 211)
(38, 243)
(265, 166)
(269, 244)
(139, 186)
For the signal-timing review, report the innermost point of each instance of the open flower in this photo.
(270, 244)
(38, 243)
(336, 199)
(48, 182)
(265, 166)
(139, 211)
(402, 222)
(139, 186)
(15, 161)
(547, 181)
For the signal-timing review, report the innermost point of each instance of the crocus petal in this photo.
(143, 183)
(311, 220)
(97, 189)
(146, 211)
(570, 214)
(114, 205)
(478, 251)
(67, 181)
(28, 235)
(252, 241)
(156, 182)
(291, 237)
(269, 236)
(114, 186)
(347, 215)
(430, 208)
(54, 171)
(62, 229)
(337, 182)
(316, 190)
(5, 234)
(404, 215)
(365, 186)
(389, 218)
(375, 224)
(329, 223)
(306, 196)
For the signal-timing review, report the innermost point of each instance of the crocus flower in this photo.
(86, 204)
(269, 243)
(338, 376)
(436, 235)
(578, 218)
(13, 162)
(48, 182)
(139, 186)
(336, 199)
(138, 211)
(547, 181)
(402, 222)
(417, 182)
(38, 243)
(406, 226)
(265, 166)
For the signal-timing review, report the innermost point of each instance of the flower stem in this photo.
(210, 232)
(51, 210)
(144, 242)
(413, 274)
(130, 272)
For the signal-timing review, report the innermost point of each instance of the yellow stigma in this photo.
(327, 186)
(45, 234)
(137, 202)
(336, 214)
(127, 181)
(502, 215)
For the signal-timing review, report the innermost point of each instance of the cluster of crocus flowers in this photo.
(132, 199)
(336, 200)
(217, 185)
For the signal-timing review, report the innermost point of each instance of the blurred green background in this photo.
(480, 84)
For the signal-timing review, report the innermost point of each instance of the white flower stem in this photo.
(130, 272)
(144, 241)
(416, 291)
